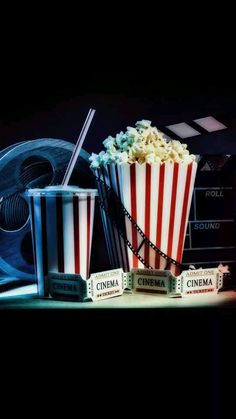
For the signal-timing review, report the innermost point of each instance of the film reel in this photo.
(35, 163)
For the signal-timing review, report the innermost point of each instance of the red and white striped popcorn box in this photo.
(62, 226)
(158, 197)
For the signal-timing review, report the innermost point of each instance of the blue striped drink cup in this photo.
(62, 227)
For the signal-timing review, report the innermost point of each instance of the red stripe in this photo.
(172, 209)
(150, 291)
(60, 238)
(133, 210)
(76, 234)
(160, 212)
(88, 233)
(147, 210)
(184, 214)
(176, 271)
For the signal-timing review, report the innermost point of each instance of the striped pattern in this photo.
(117, 249)
(62, 234)
(158, 197)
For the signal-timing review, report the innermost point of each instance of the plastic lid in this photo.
(61, 190)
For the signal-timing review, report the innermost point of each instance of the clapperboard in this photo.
(211, 232)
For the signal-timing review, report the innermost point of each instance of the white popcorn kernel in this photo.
(143, 124)
(143, 144)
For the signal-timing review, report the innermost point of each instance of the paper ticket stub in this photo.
(99, 286)
(200, 281)
(151, 281)
(66, 286)
(105, 284)
(113, 283)
(190, 282)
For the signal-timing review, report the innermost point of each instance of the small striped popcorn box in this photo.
(158, 197)
(62, 226)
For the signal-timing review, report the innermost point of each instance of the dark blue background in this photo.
(53, 107)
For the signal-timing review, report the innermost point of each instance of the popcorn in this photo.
(143, 124)
(123, 157)
(94, 158)
(109, 142)
(143, 144)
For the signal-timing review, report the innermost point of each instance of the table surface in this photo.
(26, 298)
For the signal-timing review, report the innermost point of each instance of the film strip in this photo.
(115, 210)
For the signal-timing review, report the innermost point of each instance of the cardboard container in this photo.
(158, 197)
